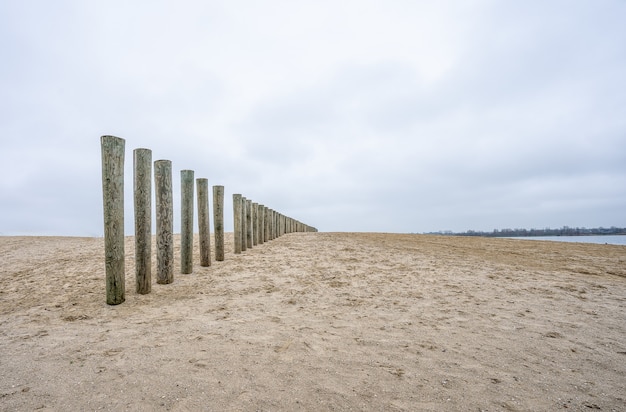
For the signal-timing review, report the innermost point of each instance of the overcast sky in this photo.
(390, 116)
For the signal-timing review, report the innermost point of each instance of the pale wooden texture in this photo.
(244, 226)
(237, 203)
(218, 221)
(164, 206)
(113, 205)
(249, 227)
(266, 224)
(186, 221)
(261, 224)
(255, 224)
(274, 224)
(204, 228)
(142, 190)
(270, 216)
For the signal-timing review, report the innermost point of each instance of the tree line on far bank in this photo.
(564, 231)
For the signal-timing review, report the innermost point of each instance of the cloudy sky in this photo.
(352, 115)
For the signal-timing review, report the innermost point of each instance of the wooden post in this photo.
(249, 223)
(164, 205)
(186, 221)
(218, 221)
(204, 225)
(261, 224)
(255, 224)
(237, 221)
(142, 165)
(266, 222)
(113, 205)
(244, 229)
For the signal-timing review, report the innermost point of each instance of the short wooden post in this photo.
(164, 205)
(237, 221)
(113, 205)
(186, 221)
(244, 228)
(142, 165)
(249, 227)
(204, 228)
(218, 221)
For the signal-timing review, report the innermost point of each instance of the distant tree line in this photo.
(564, 231)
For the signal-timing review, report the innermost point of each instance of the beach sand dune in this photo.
(319, 322)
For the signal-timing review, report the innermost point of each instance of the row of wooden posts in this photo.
(253, 223)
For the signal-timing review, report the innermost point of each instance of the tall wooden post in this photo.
(186, 221)
(249, 227)
(164, 205)
(204, 225)
(237, 221)
(244, 229)
(113, 205)
(218, 221)
(255, 224)
(261, 224)
(142, 165)
(266, 222)
(274, 226)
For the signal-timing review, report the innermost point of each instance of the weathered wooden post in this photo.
(164, 205)
(204, 225)
(249, 223)
(274, 224)
(218, 221)
(266, 221)
(237, 221)
(255, 224)
(142, 165)
(244, 229)
(261, 224)
(186, 221)
(113, 205)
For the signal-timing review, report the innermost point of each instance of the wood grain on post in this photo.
(237, 221)
(273, 224)
(204, 225)
(186, 221)
(266, 224)
(244, 229)
(142, 165)
(164, 205)
(218, 221)
(261, 224)
(249, 227)
(255, 224)
(113, 205)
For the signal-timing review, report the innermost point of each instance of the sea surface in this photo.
(606, 239)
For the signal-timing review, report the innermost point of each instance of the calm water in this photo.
(610, 239)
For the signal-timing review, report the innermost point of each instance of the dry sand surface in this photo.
(319, 322)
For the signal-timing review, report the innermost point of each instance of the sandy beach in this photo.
(319, 322)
